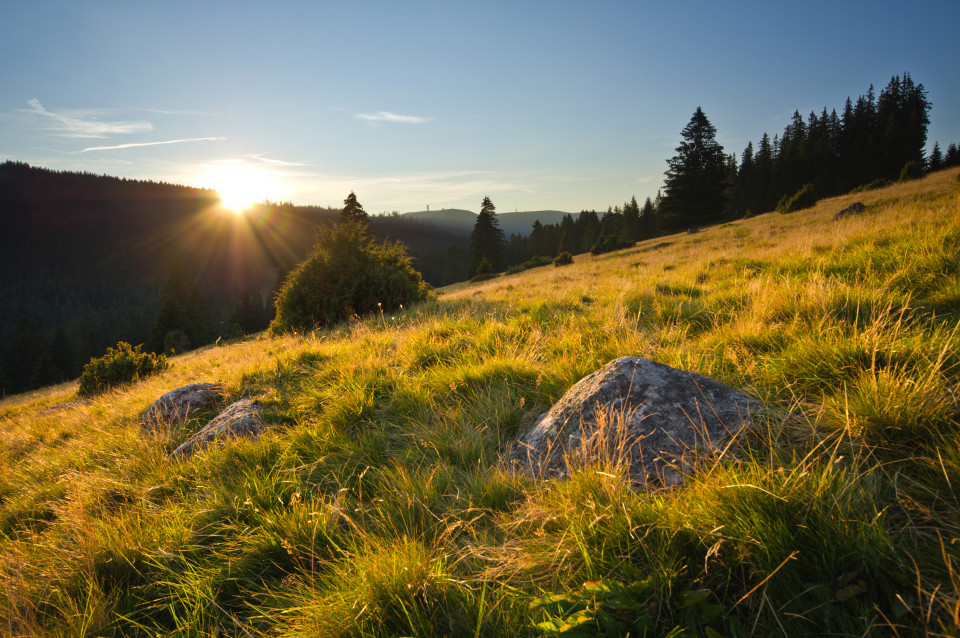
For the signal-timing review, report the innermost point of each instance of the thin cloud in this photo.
(137, 145)
(72, 126)
(270, 160)
(387, 116)
(185, 112)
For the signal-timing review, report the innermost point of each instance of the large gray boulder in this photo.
(853, 209)
(182, 404)
(655, 419)
(239, 419)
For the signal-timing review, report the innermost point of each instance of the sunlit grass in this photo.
(376, 502)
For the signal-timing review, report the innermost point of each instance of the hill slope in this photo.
(375, 503)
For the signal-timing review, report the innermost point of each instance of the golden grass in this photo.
(375, 496)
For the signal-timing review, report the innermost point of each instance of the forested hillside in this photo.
(84, 260)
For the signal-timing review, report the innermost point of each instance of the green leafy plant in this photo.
(612, 608)
(563, 259)
(534, 262)
(119, 365)
(484, 270)
(347, 274)
(608, 243)
(872, 186)
(803, 198)
(910, 170)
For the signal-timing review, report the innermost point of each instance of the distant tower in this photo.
(428, 208)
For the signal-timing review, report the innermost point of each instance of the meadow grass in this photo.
(377, 502)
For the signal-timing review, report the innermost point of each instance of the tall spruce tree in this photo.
(353, 211)
(901, 125)
(487, 239)
(696, 177)
(935, 163)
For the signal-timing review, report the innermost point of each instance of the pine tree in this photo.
(935, 163)
(568, 235)
(696, 176)
(353, 211)
(487, 239)
(901, 125)
(649, 226)
(631, 220)
(952, 157)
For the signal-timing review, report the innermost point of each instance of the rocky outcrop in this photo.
(853, 209)
(182, 403)
(240, 419)
(657, 420)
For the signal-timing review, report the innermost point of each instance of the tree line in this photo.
(874, 141)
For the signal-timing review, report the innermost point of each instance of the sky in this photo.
(537, 105)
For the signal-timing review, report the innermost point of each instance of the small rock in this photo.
(182, 403)
(239, 419)
(657, 419)
(853, 209)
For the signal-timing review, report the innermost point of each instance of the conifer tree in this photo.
(696, 176)
(487, 239)
(935, 163)
(353, 211)
(649, 226)
(952, 157)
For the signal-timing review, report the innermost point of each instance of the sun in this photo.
(240, 186)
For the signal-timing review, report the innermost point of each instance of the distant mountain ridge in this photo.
(460, 220)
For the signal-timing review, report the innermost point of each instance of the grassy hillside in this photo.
(375, 504)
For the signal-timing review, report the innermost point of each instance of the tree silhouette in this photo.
(487, 239)
(353, 211)
(696, 176)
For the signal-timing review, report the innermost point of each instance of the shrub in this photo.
(346, 274)
(534, 262)
(563, 259)
(608, 243)
(483, 272)
(803, 198)
(911, 170)
(119, 365)
(874, 185)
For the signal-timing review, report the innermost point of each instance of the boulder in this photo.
(853, 209)
(182, 403)
(239, 419)
(656, 420)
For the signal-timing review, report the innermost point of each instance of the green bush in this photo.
(803, 198)
(608, 243)
(563, 259)
(346, 274)
(483, 272)
(533, 262)
(911, 170)
(872, 186)
(119, 365)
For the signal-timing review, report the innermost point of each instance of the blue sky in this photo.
(538, 105)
